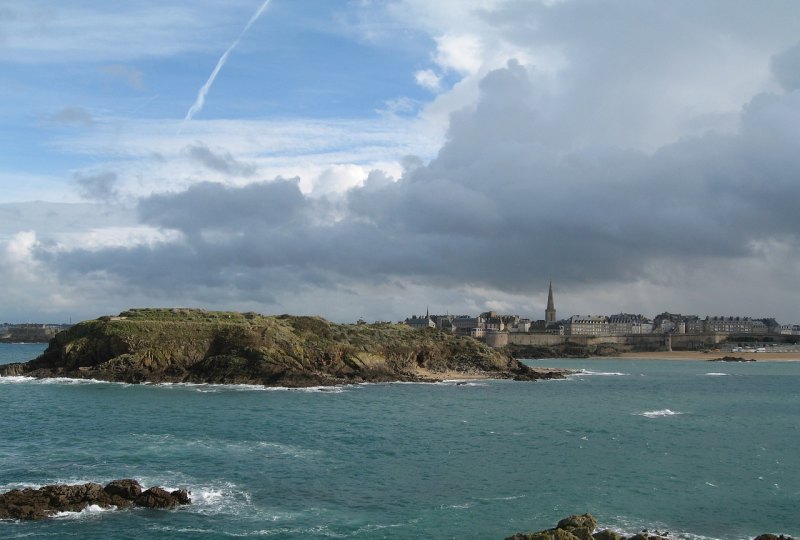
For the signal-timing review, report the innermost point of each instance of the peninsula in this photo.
(199, 346)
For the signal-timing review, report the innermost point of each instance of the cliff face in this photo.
(183, 345)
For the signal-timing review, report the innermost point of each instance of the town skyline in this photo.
(601, 323)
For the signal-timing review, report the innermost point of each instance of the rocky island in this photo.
(199, 346)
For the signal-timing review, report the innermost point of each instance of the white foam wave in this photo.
(714, 374)
(627, 528)
(509, 498)
(462, 506)
(270, 448)
(16, 379)
(591, 373)
(211, 388)
(464, 382)
(658, 414)
(90, 511)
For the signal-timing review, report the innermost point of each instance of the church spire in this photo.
(550, 312)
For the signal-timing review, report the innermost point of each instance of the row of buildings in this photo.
(31, 333)
(622, 324)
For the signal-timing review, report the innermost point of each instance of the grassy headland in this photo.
(190, 345)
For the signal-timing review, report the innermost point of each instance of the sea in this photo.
(698, 449)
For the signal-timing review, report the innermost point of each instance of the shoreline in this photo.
(701, 356)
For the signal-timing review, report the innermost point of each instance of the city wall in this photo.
(631, 343)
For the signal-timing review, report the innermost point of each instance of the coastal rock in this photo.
(607, 534)
(157, 497)
(579, 526)
(126, 488)
(583, 521)
(548, 534)
(198, 346)
(33, 504)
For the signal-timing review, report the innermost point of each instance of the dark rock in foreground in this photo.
(49, 500)
(198, 346)
(581, 527)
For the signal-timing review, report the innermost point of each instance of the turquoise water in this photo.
(698, 449)
(20, 352)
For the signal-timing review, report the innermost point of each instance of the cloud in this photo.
(497, 209)
(786, 68)
(460, 53)
(76, 116)
(429, 80)
(44, 32)
(642, 154)
(222, 162)
(213, 207)
(133, 77)
(98, 186)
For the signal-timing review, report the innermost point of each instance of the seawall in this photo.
(546, 344)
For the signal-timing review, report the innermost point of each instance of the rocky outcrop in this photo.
(30, 504)
(198, 346)
(582, 527)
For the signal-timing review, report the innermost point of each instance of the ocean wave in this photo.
(90, 512)
(213, 388)
(714, 374)
(589, 372)
(658, 414)
(68, 381)
(463, 382)
(156, 442)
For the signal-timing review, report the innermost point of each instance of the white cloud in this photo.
(460, 53)
(428, 79)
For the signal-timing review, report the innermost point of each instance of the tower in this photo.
(550, 312)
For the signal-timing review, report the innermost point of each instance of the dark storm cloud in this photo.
(500, 206)
(786, 68)
(215, 207)
(222, 162)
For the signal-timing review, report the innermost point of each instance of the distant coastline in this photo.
(712, 355)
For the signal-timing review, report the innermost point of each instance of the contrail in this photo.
(201, 95)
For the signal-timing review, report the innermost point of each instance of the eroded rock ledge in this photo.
(44, 502)
(582, 527)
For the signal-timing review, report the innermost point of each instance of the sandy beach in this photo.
(694, 355)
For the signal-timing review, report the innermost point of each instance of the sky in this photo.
(376, 158)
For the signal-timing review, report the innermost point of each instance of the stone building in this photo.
(586, 325)
(735, 325)
(624, 324)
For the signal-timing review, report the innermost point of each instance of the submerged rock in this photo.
(44, 502)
